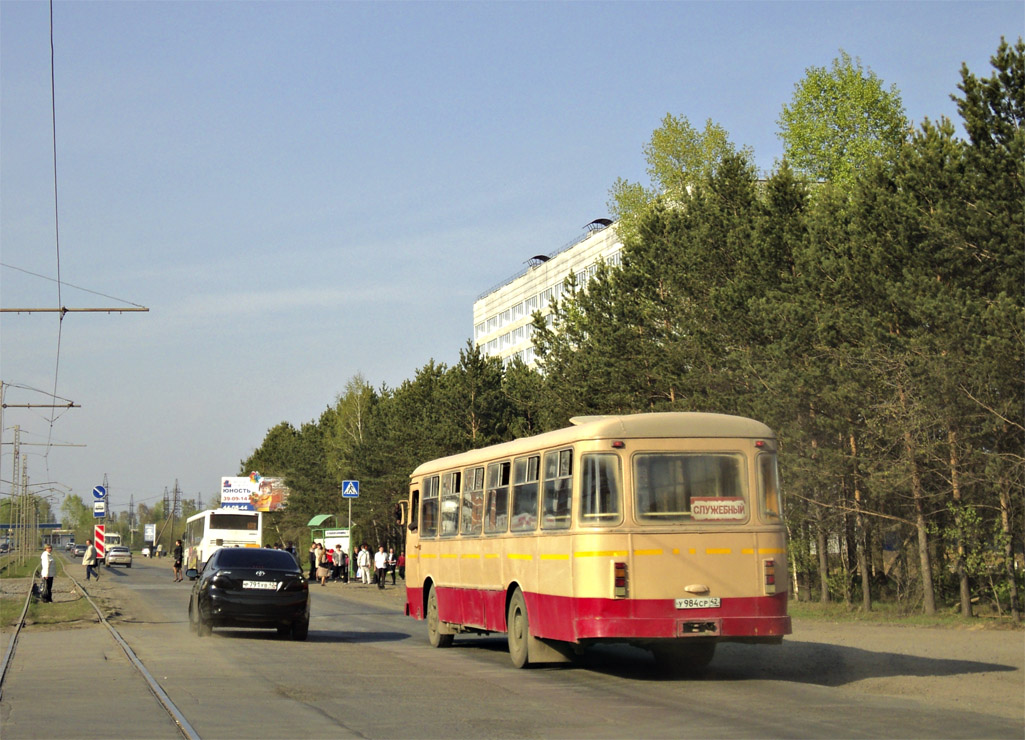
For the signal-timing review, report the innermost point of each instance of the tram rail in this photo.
(176, 715)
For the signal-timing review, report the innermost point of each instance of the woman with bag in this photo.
(323, 566)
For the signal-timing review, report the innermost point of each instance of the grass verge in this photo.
(896, 615)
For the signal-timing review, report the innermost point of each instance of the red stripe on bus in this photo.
(573, 619)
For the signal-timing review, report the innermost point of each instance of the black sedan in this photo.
(250, 587)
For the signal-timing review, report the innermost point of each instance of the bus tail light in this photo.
(769, 571)
(619, 580)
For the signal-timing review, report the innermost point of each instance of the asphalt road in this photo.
(367, 671)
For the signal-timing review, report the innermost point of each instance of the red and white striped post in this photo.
(98, 541)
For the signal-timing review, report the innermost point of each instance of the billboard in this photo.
(253, 493)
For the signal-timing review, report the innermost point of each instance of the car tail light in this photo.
(619, 580)
(221, 581)
(769, 572)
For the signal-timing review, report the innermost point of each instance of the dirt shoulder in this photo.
(979, 670)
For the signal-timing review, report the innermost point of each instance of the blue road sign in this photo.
(350, 489)
(99, 493)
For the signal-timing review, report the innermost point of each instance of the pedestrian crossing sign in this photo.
(350, 489)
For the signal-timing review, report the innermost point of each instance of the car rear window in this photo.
(254, 557)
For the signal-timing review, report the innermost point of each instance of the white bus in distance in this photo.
(209, 530)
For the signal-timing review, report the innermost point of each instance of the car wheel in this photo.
(300, 630)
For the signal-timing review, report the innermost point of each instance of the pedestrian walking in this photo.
(363, 560)
(47, 570)
(338, 560)
(380, 565)
(402, 565)
(179, 554)
(392, 563)
(89, 561)
(313, 561)
(323, 565)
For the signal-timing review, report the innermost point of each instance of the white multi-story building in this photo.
(502, 317)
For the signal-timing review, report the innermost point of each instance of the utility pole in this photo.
(175, 507)
(131, 521)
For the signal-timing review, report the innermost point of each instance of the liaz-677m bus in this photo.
(660, 530)
(214, 528)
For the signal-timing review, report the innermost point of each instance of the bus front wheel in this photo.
(519, 629)
(437, 638)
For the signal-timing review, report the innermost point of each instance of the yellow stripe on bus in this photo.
(554, 556)
(448, 555)
(601, 554)
(772, 551)
(718, 551)
(471, 555)
(490, 555)
(520, 556)
(428, 555)
(647, 552)
(747, 551)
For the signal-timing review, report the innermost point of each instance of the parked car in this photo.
(79, 551)
(145, 552)
(250, 587)
(118, 555)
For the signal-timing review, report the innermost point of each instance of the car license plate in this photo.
(263, 585)
(709, 603)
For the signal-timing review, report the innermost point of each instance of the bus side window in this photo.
(768, 474)
(600, 495)
(450, 504)
(473, 502)
(557, 500)
(429, 508)
(496, 499)
(526, 471)
(414, 511)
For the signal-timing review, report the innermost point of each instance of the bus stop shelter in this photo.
(324, 529)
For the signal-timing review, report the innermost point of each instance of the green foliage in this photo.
(678, 157)
(841, 119)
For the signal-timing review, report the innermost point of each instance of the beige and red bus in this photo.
(661, 530)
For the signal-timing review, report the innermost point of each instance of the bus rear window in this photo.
(702, 488)
(233, 521)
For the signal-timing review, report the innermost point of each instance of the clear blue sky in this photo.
(300, 192)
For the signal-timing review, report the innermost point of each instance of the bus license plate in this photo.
(709, 603)
(264, 585)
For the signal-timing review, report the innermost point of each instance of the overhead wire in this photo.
(70, 285)
(56, 226)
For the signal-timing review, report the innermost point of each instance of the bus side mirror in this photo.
(401, 512)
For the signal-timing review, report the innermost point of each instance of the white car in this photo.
(118, 555)
(145, 552)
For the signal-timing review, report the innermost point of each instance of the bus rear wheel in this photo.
(518, 628)
(434, 634)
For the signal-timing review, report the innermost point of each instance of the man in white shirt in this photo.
(380, 565)
(47, 570)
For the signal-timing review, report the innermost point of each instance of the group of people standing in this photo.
(334, 564)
